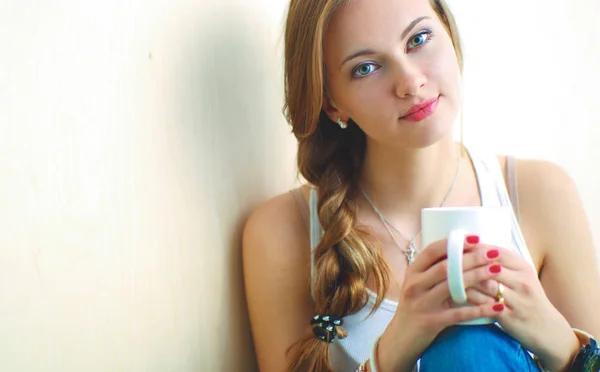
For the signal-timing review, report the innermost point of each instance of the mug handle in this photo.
(455, 248)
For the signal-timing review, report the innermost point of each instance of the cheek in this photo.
(447, 71)
(367, 98)
(371, 103)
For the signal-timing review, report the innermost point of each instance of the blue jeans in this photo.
(476, 348)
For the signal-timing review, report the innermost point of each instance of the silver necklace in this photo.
(411, 251)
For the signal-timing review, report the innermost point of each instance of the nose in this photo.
(409, 80)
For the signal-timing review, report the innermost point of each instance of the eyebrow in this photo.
(371, 51)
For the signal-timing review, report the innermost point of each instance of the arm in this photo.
(554, 222)
(276, 260)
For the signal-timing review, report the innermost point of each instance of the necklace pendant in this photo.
(411, 252)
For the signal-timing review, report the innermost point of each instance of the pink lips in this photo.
(421, 110)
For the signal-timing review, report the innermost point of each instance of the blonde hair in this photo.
(331, 159)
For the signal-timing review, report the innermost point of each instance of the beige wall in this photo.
(136, 136)
(532, 74)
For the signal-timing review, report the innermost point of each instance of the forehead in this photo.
(369, 23)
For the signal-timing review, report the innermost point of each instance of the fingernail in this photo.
(498, 307)
(493, 253)
(472, 239)
(495, 269)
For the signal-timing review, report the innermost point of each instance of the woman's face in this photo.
(384, 56)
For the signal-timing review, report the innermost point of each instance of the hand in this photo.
(529, 316)
(425, 307)
(425, 298)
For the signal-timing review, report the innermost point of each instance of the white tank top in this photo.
(346, 354)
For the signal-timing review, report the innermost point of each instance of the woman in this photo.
(372, 90)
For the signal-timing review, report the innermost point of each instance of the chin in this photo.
(428, 132)
(433, 138)
(426, 140)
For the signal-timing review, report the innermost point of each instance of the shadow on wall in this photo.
(228, 115)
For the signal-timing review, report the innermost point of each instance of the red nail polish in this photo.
(472, 239)
(498, 307)
(493, 253)
(495, 269)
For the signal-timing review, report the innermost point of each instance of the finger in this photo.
(488, 287)
(480, 255)
(471, 278)
(506, 257)
(510, 297)
(434, 253)
(435, 275)
(429, 256)
(462, 314)
(516, 281)
(479, 275)
(518, 288)
(512, 260)
(477, 297)
(511, 301)
(421, 283)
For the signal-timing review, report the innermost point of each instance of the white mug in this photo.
(491, 224)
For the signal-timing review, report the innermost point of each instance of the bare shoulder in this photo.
(553, 216)
(533, 174)
(277, 220)
(541, 179)
(275, 231)
(276, 260)
(548, 198)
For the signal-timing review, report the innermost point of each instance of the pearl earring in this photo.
(342, 124)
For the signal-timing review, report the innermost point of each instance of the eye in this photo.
(364, 69)
(419, 39)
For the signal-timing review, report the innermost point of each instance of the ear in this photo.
(332, 112)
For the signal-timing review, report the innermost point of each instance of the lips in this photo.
(421, 110)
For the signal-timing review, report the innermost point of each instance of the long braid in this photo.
(331, 159)
(345, 258)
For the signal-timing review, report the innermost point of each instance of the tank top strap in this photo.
(315, 233)
(487, 185)
(302, 208)
(494, 193)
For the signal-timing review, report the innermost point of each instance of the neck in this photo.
(401, 182)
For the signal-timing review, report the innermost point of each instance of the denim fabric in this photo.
(476, 348)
